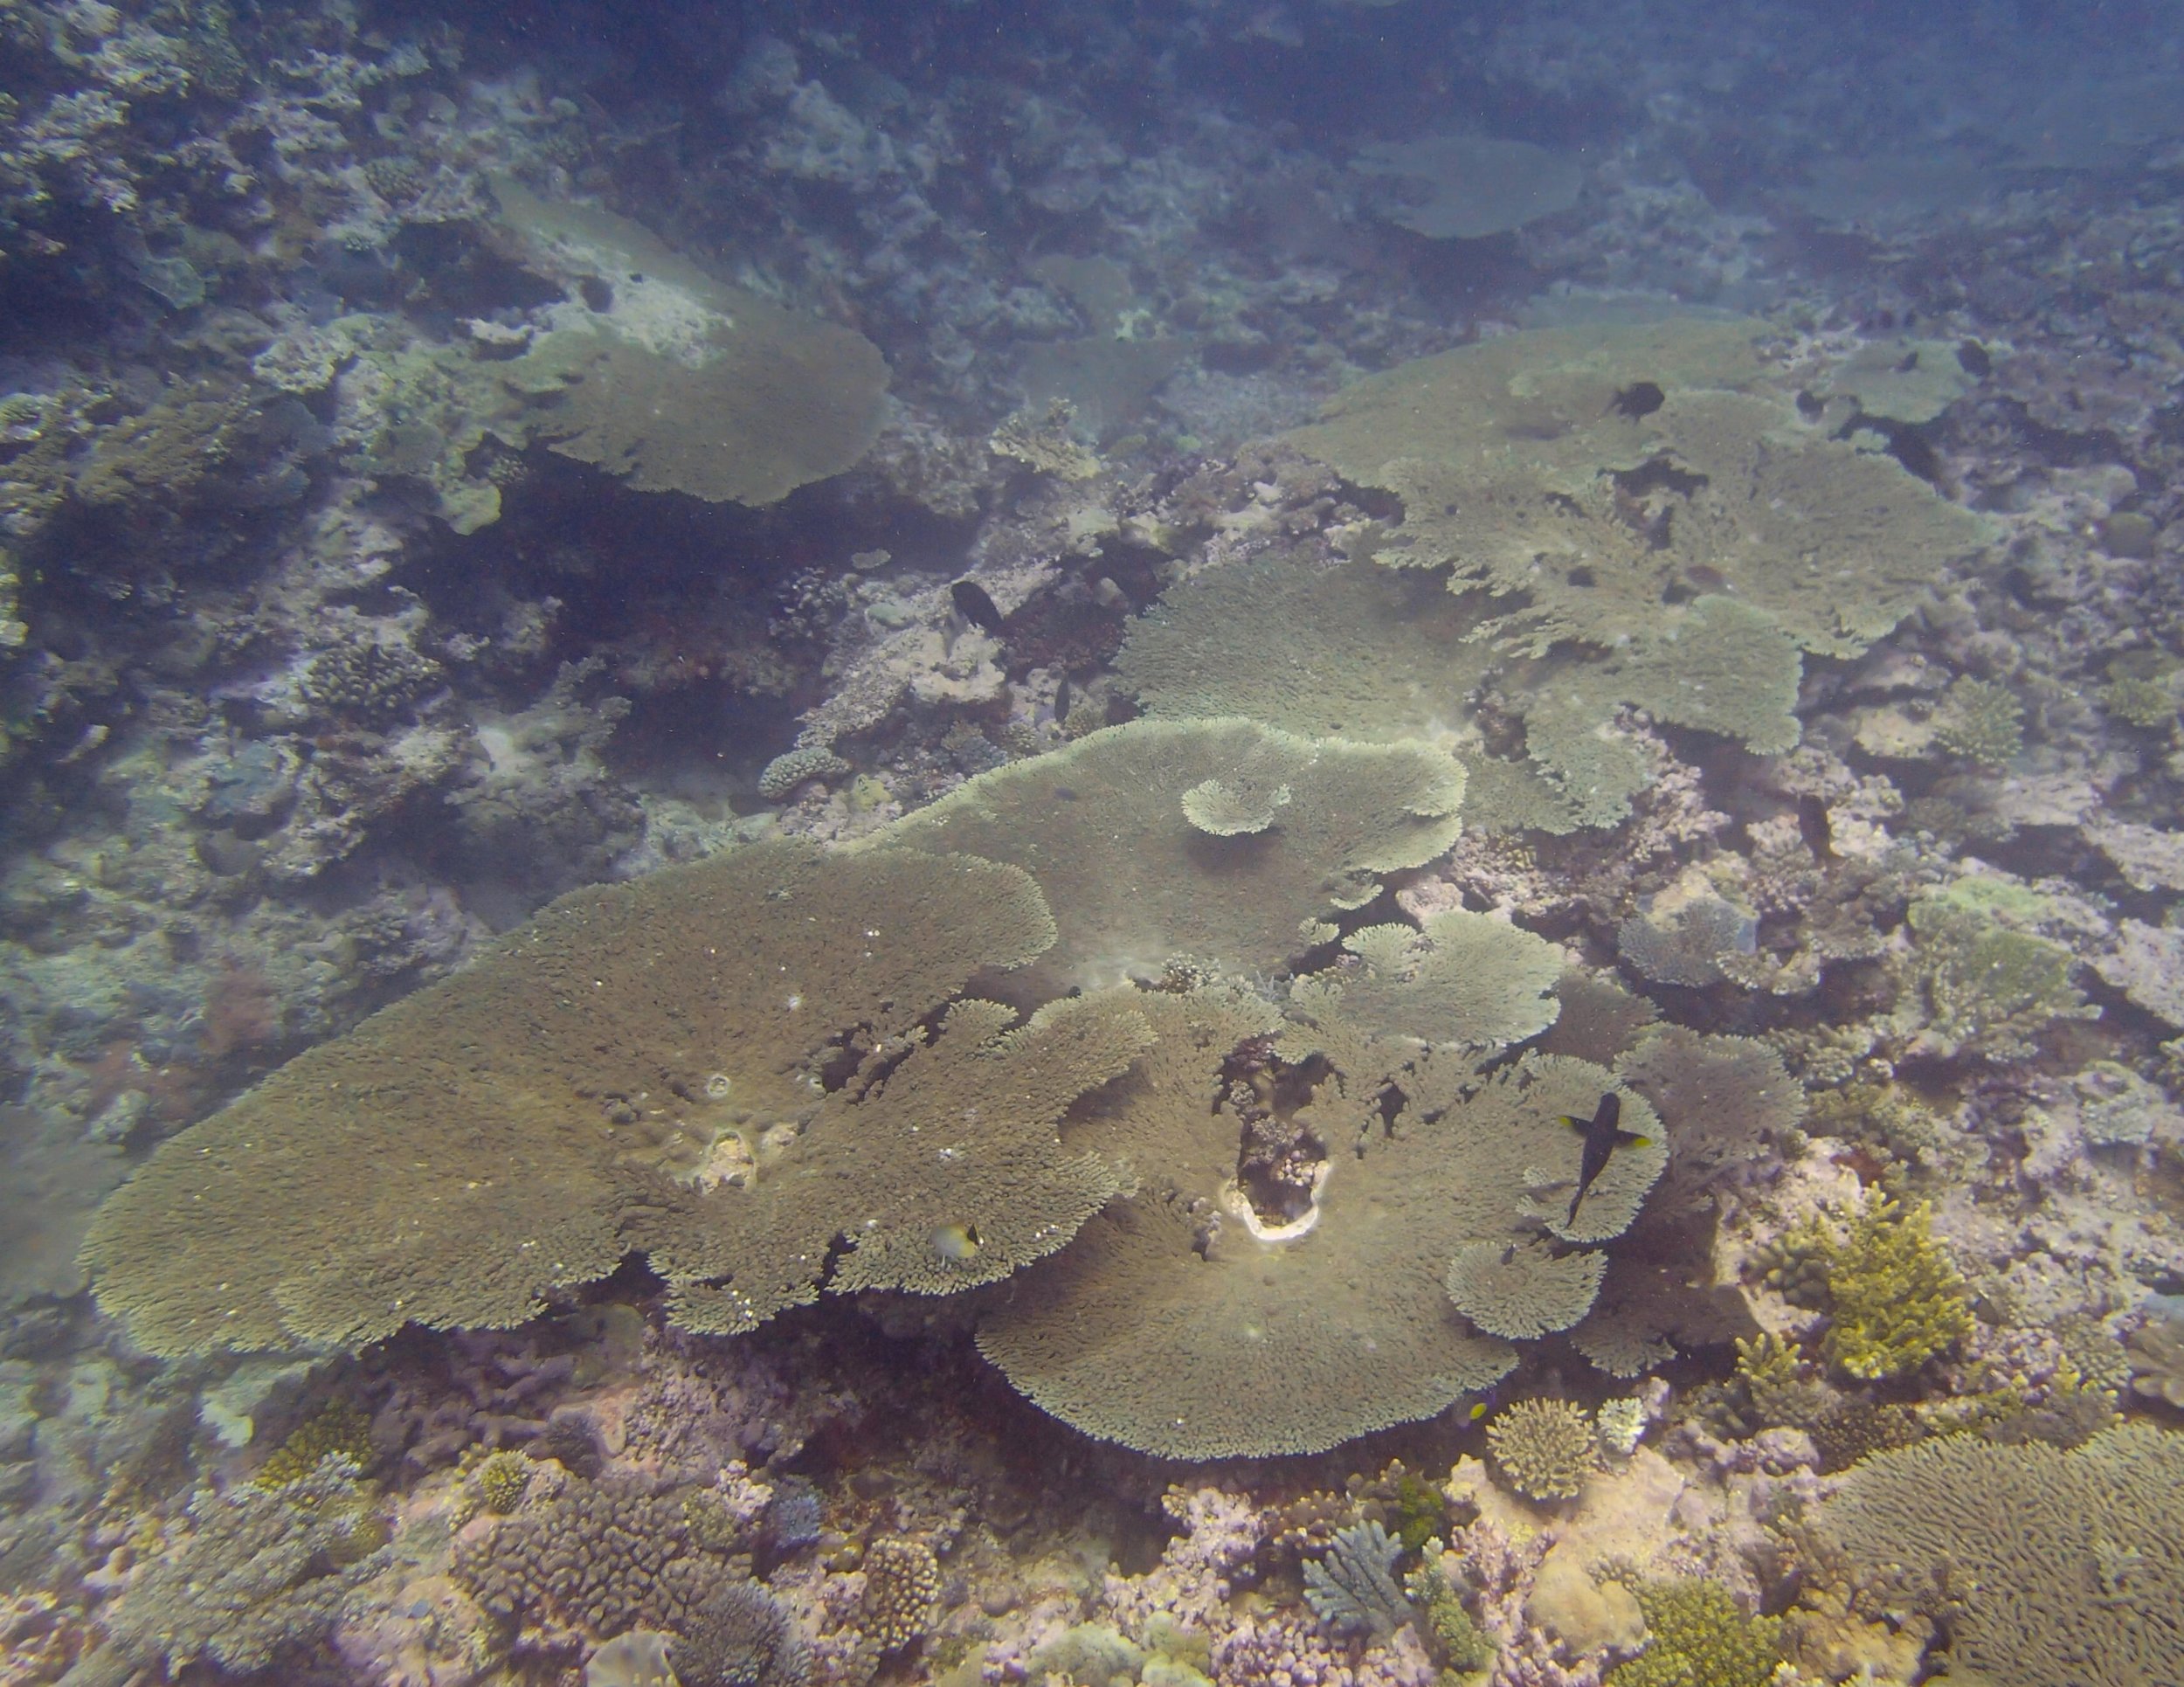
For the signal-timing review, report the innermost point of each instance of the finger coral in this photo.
(594, 1559)
(2051, 1565)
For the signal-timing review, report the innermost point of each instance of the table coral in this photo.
(577, 1063)
(1170, 1325)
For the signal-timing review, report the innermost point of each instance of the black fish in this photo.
(975, 607)
(1602, 1138)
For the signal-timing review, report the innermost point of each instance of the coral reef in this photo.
(1543, 1449)
(259, 1571)
(2053, 1564)
(1698, 1638)
(211, 1269)
(1156, 662)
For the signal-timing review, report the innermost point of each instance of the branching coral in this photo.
(2051, 1565)
(1896, 1298)
(1700, 1638)
(1351, 1586)
(261, 1570)
(1543, 1449)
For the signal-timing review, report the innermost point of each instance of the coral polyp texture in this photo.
(1184, 1322)
(641, 1066)
(1105, 826)
(1543, 1449)
(2051, 1564)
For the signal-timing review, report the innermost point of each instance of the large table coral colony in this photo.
(1021, 1046)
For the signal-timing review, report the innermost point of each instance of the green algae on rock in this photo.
(654, 1065)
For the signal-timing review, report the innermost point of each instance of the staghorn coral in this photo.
(1351, 1586)
(1103, 825)
(257, 1572)
(555, 1090)
(1182, 1323)
(1543, 1449)
(2051, 1565)
(1700, 1638)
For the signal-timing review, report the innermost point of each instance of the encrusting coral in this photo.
(549, 1098)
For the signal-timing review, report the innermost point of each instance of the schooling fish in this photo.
(1603, 1136)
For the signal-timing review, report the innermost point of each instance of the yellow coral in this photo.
(341, 1427)
(1898, 1299)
